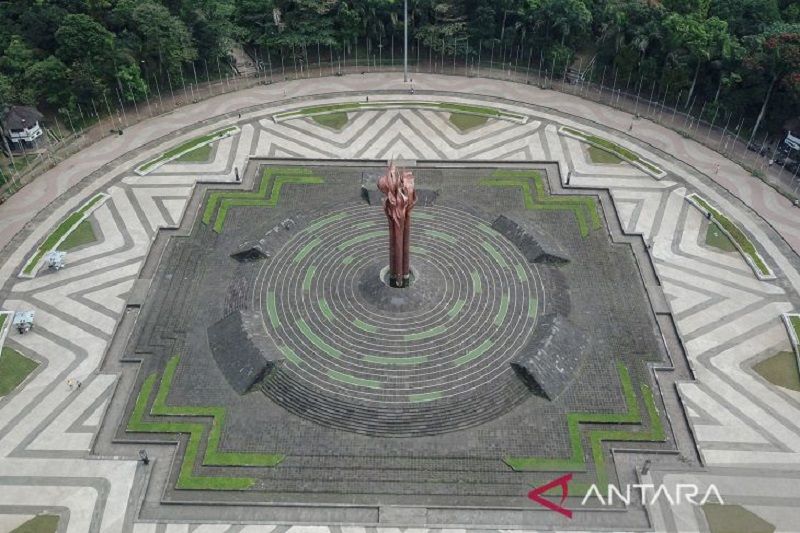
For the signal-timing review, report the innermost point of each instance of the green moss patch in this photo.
(335, 121)
(583, 207)
(212, 455)
(465, 122)
(272, 181)
(734, 519)
(781, 370)
(63, 229)
(14, 368)
(82, 234)
(745, 245)
(46, 523)
(201, 154)
(577, 460)
(717, 239)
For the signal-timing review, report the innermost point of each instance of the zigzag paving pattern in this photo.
(747, 429)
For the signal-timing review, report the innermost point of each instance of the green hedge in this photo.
(735, 233)
(794, 320)
(65, 227)
(213, 456)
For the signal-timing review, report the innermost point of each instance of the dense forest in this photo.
(741, 56)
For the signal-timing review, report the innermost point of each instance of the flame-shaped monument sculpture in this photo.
(398, 186)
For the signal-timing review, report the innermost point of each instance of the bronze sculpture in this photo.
(398, 186)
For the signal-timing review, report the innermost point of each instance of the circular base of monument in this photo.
(367, 357)
(386, 277)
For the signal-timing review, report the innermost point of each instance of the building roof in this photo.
(18, 117)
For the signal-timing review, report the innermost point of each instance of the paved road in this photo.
(773, 207)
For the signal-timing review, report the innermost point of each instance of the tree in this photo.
(16, 58)
(131, 84)
(569, 19)
(81, 38)
(775, 55)
(446, 27)
(746, 17)
(13, 64)
(701, 40)
(156, 37)
(211, 24)
(49, 81)
(483, 24)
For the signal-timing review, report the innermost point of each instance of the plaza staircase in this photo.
(406, 420)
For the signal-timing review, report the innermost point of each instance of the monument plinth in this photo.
(398, 186)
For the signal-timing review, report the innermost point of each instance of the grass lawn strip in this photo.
(185, 148)
(212, 456)
(200, 154)
(781, 369)
(45, 523)
(583, 207)
(344, 107)
(14, 368)
(716, 239)
(272, 179)
(732, 518)
(60, 234)
(81, 235)
(615, 149)
(736, 235)
(335, 121)
(792, 323)
(577, 461)
(603, 157)
(465, 122)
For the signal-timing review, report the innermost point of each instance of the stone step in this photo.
(410, 420)
(394, 488)
(506, 478)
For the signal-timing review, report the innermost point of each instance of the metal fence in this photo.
(724, 133)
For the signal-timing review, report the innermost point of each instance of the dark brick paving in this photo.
(198, 283)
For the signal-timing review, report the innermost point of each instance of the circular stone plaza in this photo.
(596, 301)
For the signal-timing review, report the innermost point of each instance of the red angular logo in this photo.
(537, 495)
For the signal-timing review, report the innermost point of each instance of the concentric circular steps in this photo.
(410, 420)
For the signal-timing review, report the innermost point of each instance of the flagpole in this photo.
(405, 42)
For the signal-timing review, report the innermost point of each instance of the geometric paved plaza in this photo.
(574, 312)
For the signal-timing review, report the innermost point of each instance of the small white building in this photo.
(20, 125)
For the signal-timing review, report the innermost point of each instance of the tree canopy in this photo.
(736, 55)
